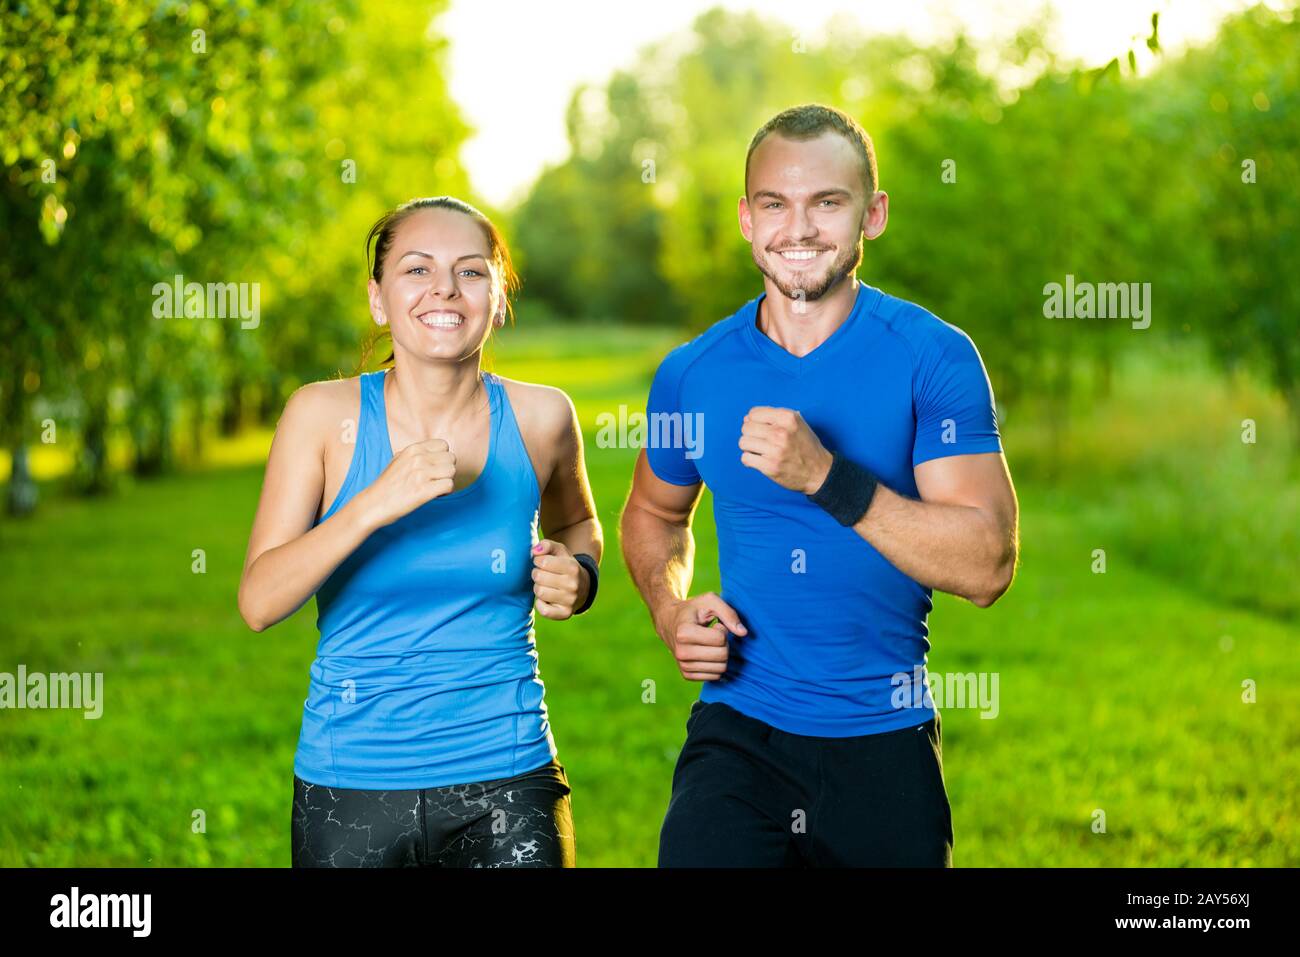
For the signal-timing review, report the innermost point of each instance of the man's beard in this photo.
(808, 288)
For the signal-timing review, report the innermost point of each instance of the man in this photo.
(851, 445)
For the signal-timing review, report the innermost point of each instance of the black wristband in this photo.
(847, 492)
(589, 563)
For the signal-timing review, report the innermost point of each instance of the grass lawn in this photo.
(1119, 692)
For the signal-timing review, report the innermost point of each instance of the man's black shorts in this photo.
(746, 794)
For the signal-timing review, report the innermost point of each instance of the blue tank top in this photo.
(426, 671)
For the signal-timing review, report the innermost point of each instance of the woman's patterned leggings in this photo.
(520, 821)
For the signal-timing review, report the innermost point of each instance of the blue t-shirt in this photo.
(832, 623)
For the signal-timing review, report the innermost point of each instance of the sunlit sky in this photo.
(514, 64)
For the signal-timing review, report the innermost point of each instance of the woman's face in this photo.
(438, 295)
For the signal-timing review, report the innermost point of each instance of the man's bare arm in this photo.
(655, 534)
(961, 536)
(659, 550)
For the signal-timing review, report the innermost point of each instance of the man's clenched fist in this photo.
(780, 444)
(700, 648)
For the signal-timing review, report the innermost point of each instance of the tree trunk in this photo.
(232, 412)
(1292, 396)
(196, 430)
(94, 469)
(1059, 413)
(269, 408)
(152, 430)
(143, 439)
(22, 493)
(1105, 373)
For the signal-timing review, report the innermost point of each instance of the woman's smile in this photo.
(441, 319)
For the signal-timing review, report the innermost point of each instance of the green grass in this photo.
(1118, 691)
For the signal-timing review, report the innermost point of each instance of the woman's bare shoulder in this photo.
(324, 405)
(546, 411)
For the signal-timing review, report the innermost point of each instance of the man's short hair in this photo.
(811, 120)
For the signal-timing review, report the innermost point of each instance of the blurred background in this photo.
(254, 144)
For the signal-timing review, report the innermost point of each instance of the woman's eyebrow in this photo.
(424, 255)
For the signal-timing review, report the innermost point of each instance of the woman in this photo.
(408, 501)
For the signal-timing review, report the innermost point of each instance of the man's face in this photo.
(806, 212)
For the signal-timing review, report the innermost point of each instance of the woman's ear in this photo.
(376, 304)
(499, 319)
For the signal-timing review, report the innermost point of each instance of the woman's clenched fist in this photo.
(420, 472)
(559, 581)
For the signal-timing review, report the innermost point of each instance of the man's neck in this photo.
(799, 326)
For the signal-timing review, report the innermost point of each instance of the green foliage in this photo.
(261, 149)
(1234, 106)
(208, 140)
(1055, 169)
